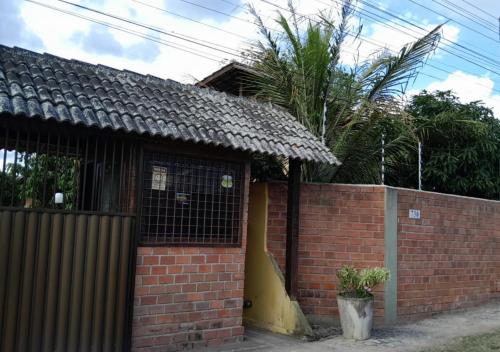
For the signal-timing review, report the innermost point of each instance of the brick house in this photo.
(123, 205)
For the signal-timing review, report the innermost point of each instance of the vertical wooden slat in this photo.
(77, 285)
(100, 288)
(13, 282)
(88, 284)
(121, 299)
(29, 257)
(40, 282)
(5, 228)
(111, 282)
(65, 282)
(52, 282)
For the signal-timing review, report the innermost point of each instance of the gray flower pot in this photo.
(356, 317)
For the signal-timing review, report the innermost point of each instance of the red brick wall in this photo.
(339, 224)
(448, 259)
(187, 297)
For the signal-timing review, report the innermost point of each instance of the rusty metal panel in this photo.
(63, 280)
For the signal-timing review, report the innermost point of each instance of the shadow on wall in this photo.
(271, 307)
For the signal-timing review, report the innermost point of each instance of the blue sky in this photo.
(226, 25)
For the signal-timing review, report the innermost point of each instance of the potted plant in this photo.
(355, 299)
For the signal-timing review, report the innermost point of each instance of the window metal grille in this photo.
(190, 201)
(56, 169)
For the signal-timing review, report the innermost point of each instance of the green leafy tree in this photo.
(33, 179)
(461, 147)
(349, 108)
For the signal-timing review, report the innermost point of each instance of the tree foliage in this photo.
(348, 108)
(34, 178)
(461, 146)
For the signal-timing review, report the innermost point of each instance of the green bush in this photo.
(360, 283)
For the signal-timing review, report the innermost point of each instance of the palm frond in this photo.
(389, 75)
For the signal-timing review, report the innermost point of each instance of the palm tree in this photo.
(350, 108)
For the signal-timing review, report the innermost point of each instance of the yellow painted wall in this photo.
(271, 308)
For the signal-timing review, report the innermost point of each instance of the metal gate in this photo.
(63, 281)
(67, 238)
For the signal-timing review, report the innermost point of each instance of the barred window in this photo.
(51, 168)
(190, 201)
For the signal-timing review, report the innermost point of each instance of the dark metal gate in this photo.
(63, 281)
(67, 238)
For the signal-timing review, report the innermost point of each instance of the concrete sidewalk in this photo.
(435, 331)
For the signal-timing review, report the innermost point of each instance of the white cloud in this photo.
(58, 32)
(470, 88)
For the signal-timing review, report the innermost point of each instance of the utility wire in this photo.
(155, 29)
(455, 8)
(150, 28)
(393, 52)
(450, 19)
(476, 55)
(402, 19)
(479, 9)
(448, 50)
(131, 32)
(188, 18)
(383, 46)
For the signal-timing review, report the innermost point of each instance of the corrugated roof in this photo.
(49, 87)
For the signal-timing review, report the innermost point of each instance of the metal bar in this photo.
(158, 212)
(212, 204)
(25, 160)
(34, 193)
(112, 181)
(56, 170)
(120, 184)
(100, 205)
(4, 164)
(129, 177)
(133, 252)
(205, 205)
(85, 166)
(94, 174)
(198, 189)
(67, 160)
(45, 172)
(419, 166)
(382, 161)
(14, 169)
(77, 177)
(292, 228)
(175, 171)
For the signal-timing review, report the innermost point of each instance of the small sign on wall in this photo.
(414, 214)
(159, 179)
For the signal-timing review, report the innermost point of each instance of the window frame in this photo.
(195, 152)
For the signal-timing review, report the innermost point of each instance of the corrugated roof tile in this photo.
(50, 87)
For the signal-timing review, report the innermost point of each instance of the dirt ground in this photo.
(443, 333)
